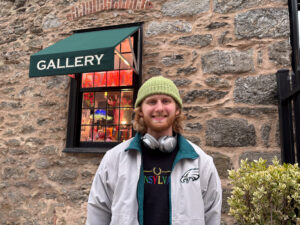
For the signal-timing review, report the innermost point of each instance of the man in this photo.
(157, 177)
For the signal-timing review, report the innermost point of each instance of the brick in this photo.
(134, 4)
(149, 5)
(91, 7)
(143, 5)
(69, 17)
(97, 5)
(77, 14)
(83, 9)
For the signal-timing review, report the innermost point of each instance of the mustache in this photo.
(159, 114)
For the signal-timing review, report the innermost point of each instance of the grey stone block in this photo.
(230, 133)
(27, 129)
(221, 62)
(194, 109)
(216, 25)
(63, 175)
(168, 27)
(217, 82)
(186, 70)
(262, 23)
(193, 127)
(194, 139)
(280, 53)
(256, 90)
(182, 82)
(184, 7)
(170, 60)
(225, 195)
(222, 163)
(194, 40)
(51, 21)
(42, 163)
(265, 134)
(48, 150)
(210, 95)
(252, 112)
(227, 6)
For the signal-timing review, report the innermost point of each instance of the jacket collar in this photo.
(135, 144)
(185, 149)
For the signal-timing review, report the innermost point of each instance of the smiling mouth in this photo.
(159, 118)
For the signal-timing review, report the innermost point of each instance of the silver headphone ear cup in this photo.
(167, 143)
(150, 141)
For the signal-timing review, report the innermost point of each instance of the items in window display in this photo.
(106, 116)
(113, 78)
(100, 114)
(88, 100)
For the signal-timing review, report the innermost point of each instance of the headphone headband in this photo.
(164, 143)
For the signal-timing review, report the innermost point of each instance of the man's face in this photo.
(159, 112)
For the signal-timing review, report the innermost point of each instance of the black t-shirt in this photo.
(157, 169)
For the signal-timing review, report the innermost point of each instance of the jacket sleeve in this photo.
(213, 198)
(99, 202)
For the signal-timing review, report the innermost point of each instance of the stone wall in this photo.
(222, 54)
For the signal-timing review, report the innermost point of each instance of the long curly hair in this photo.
(140, 126)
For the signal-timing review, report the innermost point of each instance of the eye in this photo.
(166, 101)
(151, 102)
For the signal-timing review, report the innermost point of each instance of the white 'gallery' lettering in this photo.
(79, 61)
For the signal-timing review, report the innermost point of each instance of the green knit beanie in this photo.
(158, 85)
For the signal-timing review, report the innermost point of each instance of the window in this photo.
(101, 102)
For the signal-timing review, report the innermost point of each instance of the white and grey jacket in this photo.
(117, 192)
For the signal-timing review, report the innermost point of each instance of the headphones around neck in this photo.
(164, 144)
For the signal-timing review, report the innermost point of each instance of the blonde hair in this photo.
(140, 126)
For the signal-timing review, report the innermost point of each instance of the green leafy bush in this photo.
(265, 195)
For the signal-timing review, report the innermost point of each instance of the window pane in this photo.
(88, 100)
(86, 133)
(126, 46)
(126, 116)
(100, 79)
(125, 132)
(104, 114)
(100, 99)
(129, 61)
(86, 117)
(111, 134)
(126, 77)
(110, 117)
(100, 117)
(126, 99)
(118, 47)
(113, 78)
(99, 134)
(117, 62)
(113, 116)
(87, 80)
(113, 99)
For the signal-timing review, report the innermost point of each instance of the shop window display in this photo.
(102, 102)
(106, 116)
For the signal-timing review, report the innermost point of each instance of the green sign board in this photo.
(79, 53)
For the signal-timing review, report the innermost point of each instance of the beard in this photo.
(159, 126)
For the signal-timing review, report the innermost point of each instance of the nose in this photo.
(159, 106)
